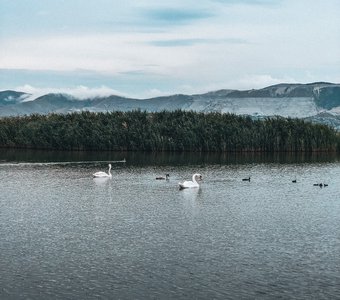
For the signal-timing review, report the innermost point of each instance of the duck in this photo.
(320, 184)
(162, 177)
(246, 179)
(190, 184)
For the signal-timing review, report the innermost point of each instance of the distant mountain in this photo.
(318, 102)
(11, 97)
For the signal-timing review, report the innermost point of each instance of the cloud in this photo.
(257, 81)
(103, 53)
(177, 42)
(250, 2)
(192, 41)
(79, 92)
(151, 46)
(171, 16)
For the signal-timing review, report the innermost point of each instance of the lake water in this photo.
(65, 235)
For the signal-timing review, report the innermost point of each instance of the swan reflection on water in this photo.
(101, 180)
(190, 199)
(191, 194)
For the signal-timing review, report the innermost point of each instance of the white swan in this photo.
(190, 184)
(103, 174)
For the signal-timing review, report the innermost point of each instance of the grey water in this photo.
(65, 235)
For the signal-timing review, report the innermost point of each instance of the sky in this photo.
(148, 48)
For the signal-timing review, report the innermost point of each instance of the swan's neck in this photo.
(109, 170)
(194, 178)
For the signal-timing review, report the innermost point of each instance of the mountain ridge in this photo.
(288, 100)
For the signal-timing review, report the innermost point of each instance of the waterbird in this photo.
(320, 184)
(162, 177)
(190, 184)
(246, 179)
(294, 181)
(101, 174)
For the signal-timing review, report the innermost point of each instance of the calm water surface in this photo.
(64, 235)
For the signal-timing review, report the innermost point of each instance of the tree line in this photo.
(165, 131)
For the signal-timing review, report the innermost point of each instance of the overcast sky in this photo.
(148, 48)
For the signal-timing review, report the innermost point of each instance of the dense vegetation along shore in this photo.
(165, 131)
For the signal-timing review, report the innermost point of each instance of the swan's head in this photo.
(109, 165)
(199, 176)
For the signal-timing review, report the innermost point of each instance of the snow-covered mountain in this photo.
(317, 101)
(287, 100)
